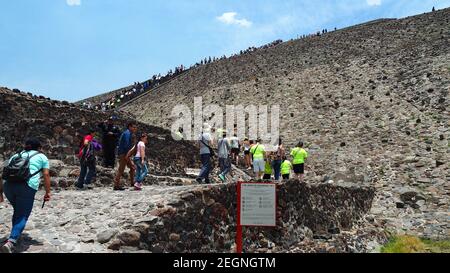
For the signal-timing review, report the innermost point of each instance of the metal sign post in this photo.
(239, 227)
(256, 207)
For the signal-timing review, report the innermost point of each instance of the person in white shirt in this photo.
(235, 149)
(139, 161)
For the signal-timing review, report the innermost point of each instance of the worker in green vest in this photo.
(268, 170)
(258, 151)
(299, 156)
(286, 168)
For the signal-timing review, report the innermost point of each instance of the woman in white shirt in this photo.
(139, 161)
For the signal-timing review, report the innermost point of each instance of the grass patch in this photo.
(437, 246)
(411, 244)
(404, 244)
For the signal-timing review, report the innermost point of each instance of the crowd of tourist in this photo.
(21, 176)
(267, 163)
(126, 94)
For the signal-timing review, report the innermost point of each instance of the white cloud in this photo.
(229, 18)
(374, 2)
(73, 2)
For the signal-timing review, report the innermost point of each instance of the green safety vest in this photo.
(299, 155)
(286, 167)
(268, 168)
(257, 151)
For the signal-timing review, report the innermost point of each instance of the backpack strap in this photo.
(29, 157)
(205, 143)
(87, 149)
(254, 151)
(40, 170)
(19, 154)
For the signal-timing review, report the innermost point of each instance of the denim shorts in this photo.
(259, 165)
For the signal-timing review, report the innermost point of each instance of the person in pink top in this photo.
(139, 161)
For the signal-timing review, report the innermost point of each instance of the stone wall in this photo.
(61, 126)
(204, 219)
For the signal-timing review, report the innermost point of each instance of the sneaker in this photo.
(88, 187)
(222, 177)
(8, 247)
(199, 180)
(138, 186)
(80, 188)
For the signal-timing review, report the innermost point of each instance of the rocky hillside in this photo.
(406, 58)
(370, 100)
(61, 126)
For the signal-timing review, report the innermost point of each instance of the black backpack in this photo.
(88, 155)
(18, 169)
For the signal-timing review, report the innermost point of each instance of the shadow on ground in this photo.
(25, 243)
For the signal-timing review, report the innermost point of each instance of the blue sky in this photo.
(73, 49)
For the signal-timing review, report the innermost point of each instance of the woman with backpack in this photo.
(278, 159)
(87, 161)
(21, 182)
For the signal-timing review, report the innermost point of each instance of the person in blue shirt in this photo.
(21, 194)
(125, 145)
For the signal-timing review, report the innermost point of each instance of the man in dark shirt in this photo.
(110, 135)
(125, 145)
